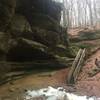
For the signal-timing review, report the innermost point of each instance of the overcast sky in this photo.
(58, 0)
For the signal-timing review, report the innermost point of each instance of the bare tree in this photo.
(80, 13)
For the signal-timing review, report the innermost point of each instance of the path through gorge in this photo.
(39, 41)
(85, 85)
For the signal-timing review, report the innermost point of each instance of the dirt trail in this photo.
(16, 88)
(86, 84)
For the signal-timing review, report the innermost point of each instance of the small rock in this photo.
(12, 83)
(45, 90)
(11, 89)
(25, 90)
(71, 89)
(60, 88)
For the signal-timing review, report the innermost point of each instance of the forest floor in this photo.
(85, 85)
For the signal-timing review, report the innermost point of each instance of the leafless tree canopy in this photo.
(80, 13)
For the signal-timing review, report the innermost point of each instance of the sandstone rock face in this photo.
(32, 31)
(49, 38)
(20, 24)
(4, 38)
(4, 44)
(44, 22)
(7, 9)
(45, 7)
(28, 50)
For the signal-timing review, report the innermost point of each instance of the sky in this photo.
(58, 0)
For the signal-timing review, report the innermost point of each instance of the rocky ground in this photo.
(13, 89)
(89, 85)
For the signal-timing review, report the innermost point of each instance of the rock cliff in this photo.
(30, 31)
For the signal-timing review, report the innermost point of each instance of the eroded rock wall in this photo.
(30, 31)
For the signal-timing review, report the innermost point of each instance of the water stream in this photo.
(51, 93)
